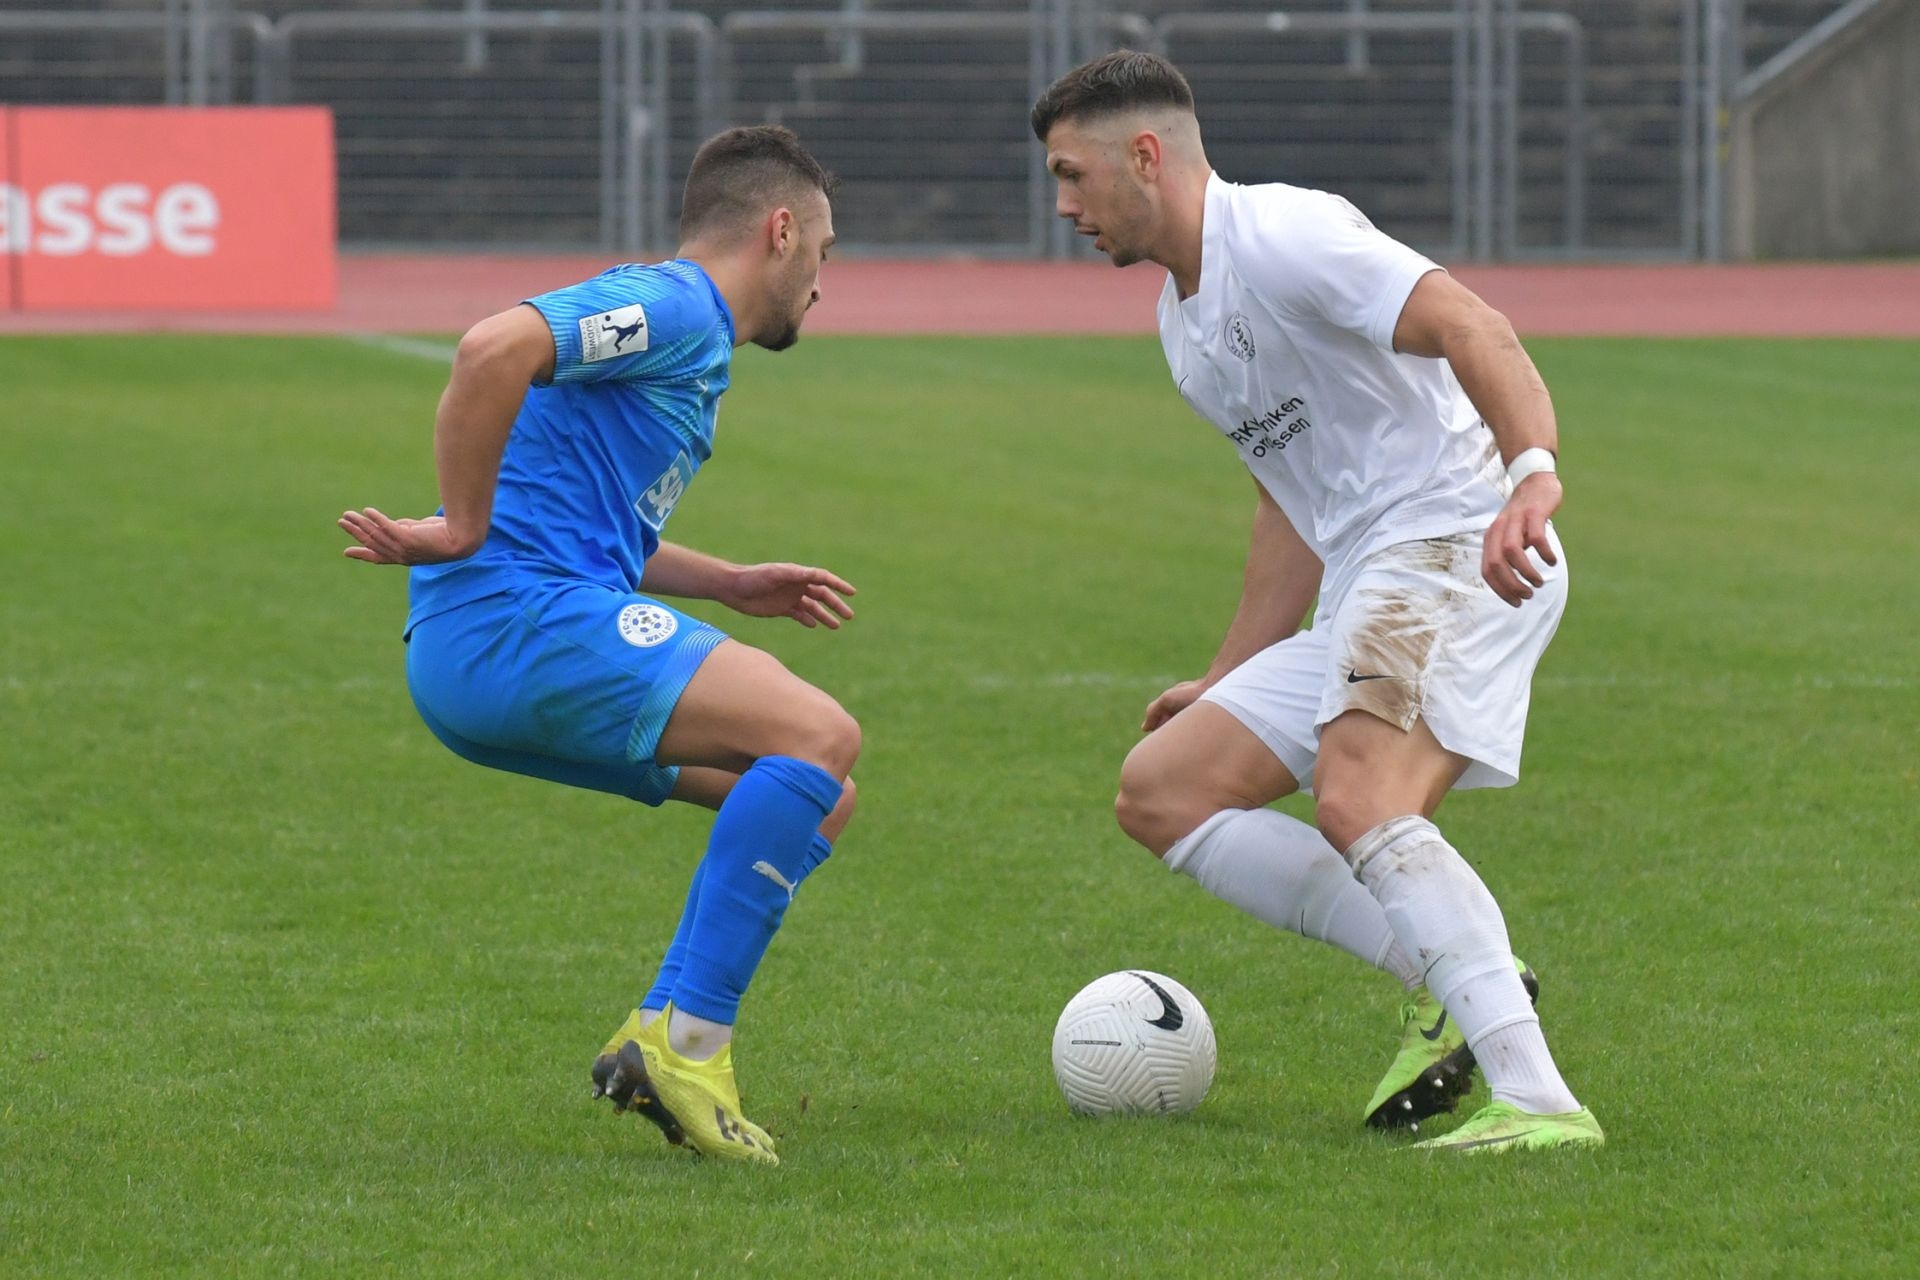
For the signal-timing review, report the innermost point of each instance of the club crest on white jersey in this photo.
(1240, 336)
(620, 332)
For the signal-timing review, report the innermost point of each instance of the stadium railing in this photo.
(1477, 128)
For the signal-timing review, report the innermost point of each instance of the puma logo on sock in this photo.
(772, 873)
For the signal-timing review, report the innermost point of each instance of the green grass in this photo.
(291, 990)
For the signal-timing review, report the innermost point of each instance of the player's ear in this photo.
(783, 232)
(1144, 155)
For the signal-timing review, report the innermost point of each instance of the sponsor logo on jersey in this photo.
(646, 625)
(1240, 336)
(620, 332)
(658, 502)
(1272, 431)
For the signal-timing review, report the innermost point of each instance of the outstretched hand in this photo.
(384, 540)
(1521, 524)
(808, 595)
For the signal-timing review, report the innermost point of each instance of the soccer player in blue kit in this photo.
(570, 428)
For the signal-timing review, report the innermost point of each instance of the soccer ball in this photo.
(1133, 1043)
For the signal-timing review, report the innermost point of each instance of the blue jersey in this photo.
(599, 456)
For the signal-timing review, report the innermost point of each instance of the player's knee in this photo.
(1150, 811)
(1138, 819)
(843, 740)
(1352, 798)
(828, 737)
(1344, 809)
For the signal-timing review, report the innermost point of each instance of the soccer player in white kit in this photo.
(1403, 447)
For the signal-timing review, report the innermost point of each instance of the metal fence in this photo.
(1474, 128)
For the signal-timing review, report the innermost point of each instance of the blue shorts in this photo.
(563, 680)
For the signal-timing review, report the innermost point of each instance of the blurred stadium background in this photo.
(1483, 130)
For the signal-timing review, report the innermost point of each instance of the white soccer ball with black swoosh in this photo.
(1133, 1043)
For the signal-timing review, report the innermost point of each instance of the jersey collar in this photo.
(1200, 314)
(719, 299)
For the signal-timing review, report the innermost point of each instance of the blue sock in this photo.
(662, 991)
(817, 852)
(763, 845)
(677, 949)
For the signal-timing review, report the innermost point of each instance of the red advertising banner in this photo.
(168, 208)
(9, 265)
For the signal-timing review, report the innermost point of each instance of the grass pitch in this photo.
(291, 990)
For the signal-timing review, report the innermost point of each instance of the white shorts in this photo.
(1418, 636)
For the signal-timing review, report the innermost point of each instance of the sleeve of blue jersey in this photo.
(593, 324)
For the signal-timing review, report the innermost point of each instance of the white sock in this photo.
(697, 1038)
(1282, 871)
(1517, 1057)
(1445, 917)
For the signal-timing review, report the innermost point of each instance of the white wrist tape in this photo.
(1529, 462)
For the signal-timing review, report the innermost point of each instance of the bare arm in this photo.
(1443, 318)
(809, 595)
(497, 360)
(675, 570)
(1282, 578)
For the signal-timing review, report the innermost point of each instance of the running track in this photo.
(444, 294)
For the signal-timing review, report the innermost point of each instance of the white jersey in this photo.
(1287, 348)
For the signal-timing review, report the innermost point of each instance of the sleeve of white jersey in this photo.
(1320, 259)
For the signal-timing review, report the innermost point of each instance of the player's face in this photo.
(796, 282)
(1098, 193)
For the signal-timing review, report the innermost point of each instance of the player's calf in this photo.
(836, 821)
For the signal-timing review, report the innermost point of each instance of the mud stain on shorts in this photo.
(1391, 645)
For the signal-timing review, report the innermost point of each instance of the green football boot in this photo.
(1501, 1126)
(1434, 1068)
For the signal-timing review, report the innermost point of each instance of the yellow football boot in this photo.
(694, 1103)
(629, 1088)
(629, 1030)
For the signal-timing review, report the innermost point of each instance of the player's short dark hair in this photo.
(741, 174)
(1123, 80)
